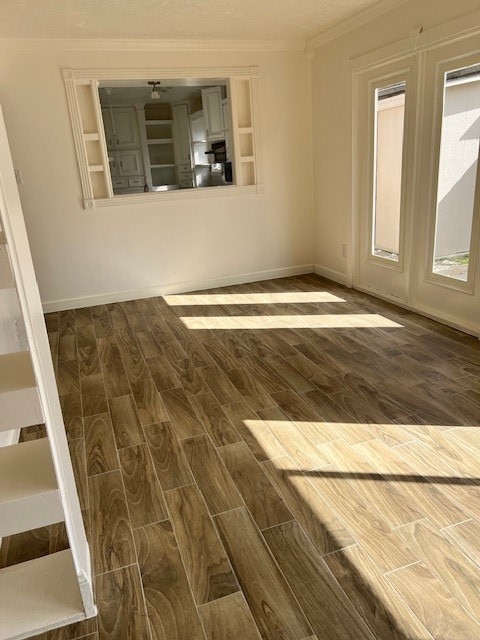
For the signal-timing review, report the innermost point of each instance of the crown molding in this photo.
(420, 40)
(61, 44)
(353, 22)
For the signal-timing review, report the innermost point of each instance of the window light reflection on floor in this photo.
(336, 321)
(287, 297)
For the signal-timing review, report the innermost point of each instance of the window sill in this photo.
(157, 197)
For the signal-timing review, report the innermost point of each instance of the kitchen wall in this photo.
(332, 117)
(122, 251)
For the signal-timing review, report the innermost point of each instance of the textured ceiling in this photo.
(189, 19)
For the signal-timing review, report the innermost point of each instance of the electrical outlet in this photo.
(18, 176)
(344, 250)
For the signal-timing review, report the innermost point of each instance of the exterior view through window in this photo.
(457, 173)
(387, 201)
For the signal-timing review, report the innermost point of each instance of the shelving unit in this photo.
(37, 486)
(161, 152)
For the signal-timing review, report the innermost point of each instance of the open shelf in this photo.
(90, 137)
(39, 595)
(160, 141)
(29, 495)
(93, 168)
(148, 122)
(19, 401)
(161, 166)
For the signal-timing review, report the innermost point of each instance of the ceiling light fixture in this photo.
(155, 94)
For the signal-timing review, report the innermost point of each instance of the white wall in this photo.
(118, 249)
(332, 116)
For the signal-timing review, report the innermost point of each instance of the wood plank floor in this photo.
(247, 474)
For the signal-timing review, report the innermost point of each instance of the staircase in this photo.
(37, 486)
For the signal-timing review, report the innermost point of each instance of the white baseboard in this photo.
(449, 321)
(176, 287)
(331, 274)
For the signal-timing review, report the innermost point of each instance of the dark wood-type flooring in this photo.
(285, 482)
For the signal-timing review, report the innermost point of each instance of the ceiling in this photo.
(141, 94)
(174, 19)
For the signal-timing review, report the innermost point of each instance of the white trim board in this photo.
(420, 309)
(131, 44)
(175, 287)
(331, 274)
(353, 22)
(420, 40)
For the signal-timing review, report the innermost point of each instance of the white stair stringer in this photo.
(55, 590)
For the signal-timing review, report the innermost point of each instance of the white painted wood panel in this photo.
(29, 496)
(19, 399)
(39, 595)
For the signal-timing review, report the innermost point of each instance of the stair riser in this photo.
(30, 513)
(20, 408)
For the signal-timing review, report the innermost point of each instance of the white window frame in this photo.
(74, 78)
(441, 68)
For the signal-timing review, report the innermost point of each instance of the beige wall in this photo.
(126, 248)
(332, 116)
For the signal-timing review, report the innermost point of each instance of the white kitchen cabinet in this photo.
(130, 162)
(213, 113)
(121, 128)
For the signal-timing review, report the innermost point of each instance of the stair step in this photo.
(39, 595)
(7, 280)
(19, 401)
(29, 496)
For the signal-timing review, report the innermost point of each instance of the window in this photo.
(457, 173)
(389, 114)
(165, 135)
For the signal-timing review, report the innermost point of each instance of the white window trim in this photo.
(417, 44)
(92, 77)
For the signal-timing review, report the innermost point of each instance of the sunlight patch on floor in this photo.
(287, 297)
(336, 321)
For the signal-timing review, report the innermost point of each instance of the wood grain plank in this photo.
(206, 563)
(100, 445)
(387, 616)
(228, 618)
(188, 376)
(101, 321)
(326, 531)
(111, 532)
(254, 431)
(126, 425)
(77, 455)
(170, 606)
(466, 536)
(215, 483)
(271, 601)
(214, 419)
(150, 406)
(162, 373)
(182, 416)
(89, 361)
(395, 507)
(435, 607)
(168, 458)
(221, 387)
(68, 377)
(250, 388)
(424, 496)
(121, 609)
(326, 606)
(294, 438)
(363, 520)
(116, 381)
(263, 501)
(71, 405)
(448, 563)
(94, 399)
(142, 489)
